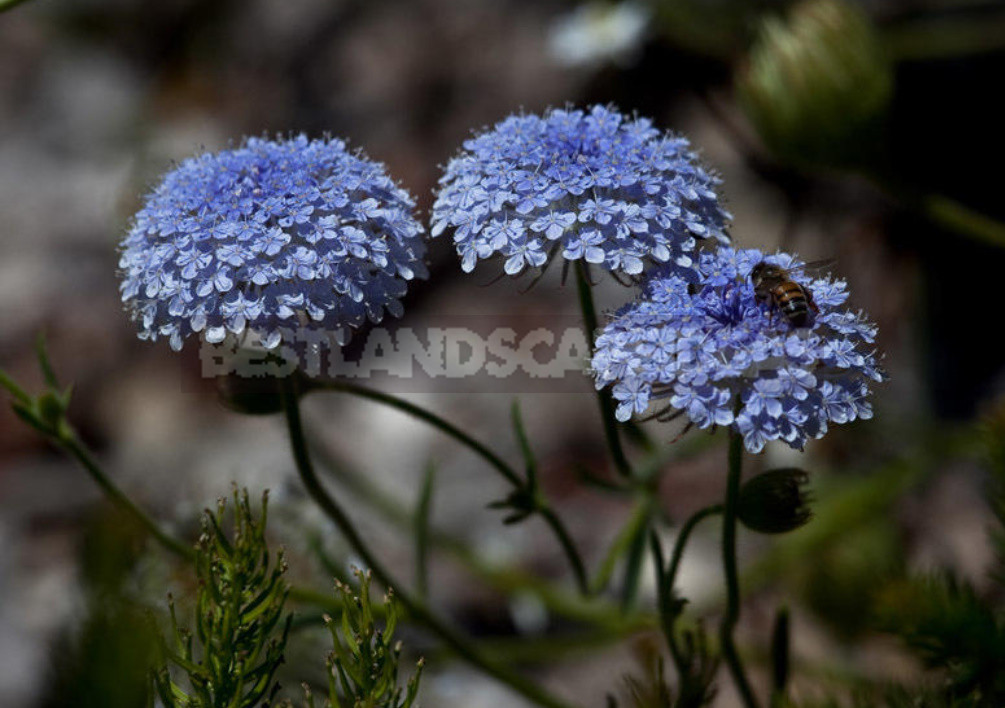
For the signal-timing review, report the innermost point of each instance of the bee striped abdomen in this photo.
(791, 299)
(773, 284)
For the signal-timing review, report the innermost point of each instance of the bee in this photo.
(774, 284)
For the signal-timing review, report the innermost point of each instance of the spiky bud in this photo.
(817, 85)
(775, 501)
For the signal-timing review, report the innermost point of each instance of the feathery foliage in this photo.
(231, 659)
(363, 666)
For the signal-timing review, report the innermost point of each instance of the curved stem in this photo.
(309, 596)
(638, 519)
(9, 4)
(432, 419)
(73, 446)
(684, 535)
(954, 215)
(500, 465)
(506, 580)
(732, 615)
(416, 608)
(942, 210)
(69, 441)
(671, 578)
(927, 38)
(603, 396)
(568, 545)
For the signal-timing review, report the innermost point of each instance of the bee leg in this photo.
(813, 307)
(772, 311)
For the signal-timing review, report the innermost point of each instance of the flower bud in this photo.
(51, 409)
(775, 501)
(817, 86)
(260, 395)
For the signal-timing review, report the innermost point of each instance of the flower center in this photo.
(572, 148)
(723, 304)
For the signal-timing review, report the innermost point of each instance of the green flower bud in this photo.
(248, 378)
(259, 395)
(51, 409)
(775, 501)
(817, 86)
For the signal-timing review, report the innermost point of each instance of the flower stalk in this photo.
(416, 608)
(732, 614)
(611, 435)
(72, 445)
(528, 490)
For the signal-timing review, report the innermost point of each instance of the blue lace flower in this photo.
(267, 238)
(597, 186)
(700, 343)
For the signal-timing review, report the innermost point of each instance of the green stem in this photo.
(671, 577)
(962, 219)
(506, 580)
(421, 528)
(325, 601)
(500, 465)
(639, 518)
(930, 38)
(542, 506)
(562, 534)
(70, 443)
(684, 535)
(432, 419)
(416, 608)
(732, 614)
(9, 4)
(548, 648)
(943, 211)
(603, 396)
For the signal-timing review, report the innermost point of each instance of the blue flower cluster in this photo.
(595, 186)
(269, 237)
(700, 341)
(277, 236)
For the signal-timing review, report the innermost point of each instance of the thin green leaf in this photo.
(633, 565)
(528, 454)
(29, 416)
(44, 364)
(16, 391)
(621, 544)
(422, 516)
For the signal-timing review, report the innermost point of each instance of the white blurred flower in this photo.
(597, 33)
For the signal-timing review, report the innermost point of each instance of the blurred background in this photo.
(868, 132)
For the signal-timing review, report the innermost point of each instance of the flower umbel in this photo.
(268, 237)
(701, 340)
(598, 186)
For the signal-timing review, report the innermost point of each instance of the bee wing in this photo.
(813, 266)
